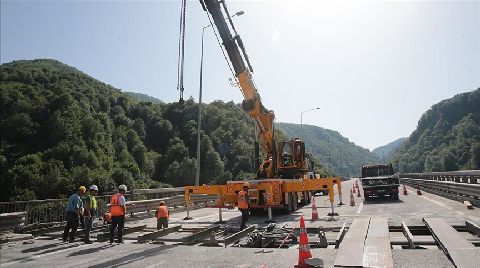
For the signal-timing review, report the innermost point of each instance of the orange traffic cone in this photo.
(405, 190)
(303, 247)
(352, 200)
(418, 190)
(314, 210)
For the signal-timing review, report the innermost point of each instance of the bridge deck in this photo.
(461, 251)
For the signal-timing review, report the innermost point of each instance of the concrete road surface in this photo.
(410, 208)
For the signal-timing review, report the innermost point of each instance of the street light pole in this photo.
(199, 125)
(301, 119)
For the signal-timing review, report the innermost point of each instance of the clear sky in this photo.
(373, 67)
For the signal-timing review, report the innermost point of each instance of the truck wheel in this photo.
(305, 198)
(395, 197)
(287, 208)
(295, 201)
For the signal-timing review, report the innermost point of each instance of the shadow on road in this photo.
(381, 200)
(90, 250)
(128, 259)
(48, 246)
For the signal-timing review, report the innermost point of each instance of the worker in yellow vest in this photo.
(162, 216)
(243, 204)
(118, 210)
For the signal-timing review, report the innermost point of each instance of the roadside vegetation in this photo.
(61, 128)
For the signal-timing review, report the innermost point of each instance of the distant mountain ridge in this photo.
(384, 152)
(336, 152)
(447, 137)
(143, 97)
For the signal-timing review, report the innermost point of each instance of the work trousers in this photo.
(245, 215)
(162, 223)
(72, 224)
(117, 223)
(88, 227)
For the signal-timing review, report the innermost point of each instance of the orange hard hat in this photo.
(107, 217)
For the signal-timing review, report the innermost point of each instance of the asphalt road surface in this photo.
(410, 209)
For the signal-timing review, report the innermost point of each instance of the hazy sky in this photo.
(372, 67)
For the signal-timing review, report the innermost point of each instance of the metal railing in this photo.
(53, 210)
(458, 185)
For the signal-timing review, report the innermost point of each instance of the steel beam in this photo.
(472, 227)
(234, 237)
(408, 235)
(105, 236)
(199, 235)
(159, 233)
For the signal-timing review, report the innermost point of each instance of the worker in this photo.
(162, 216)
(243, 204)
(118, 210)
(74, 209)
(90, 211)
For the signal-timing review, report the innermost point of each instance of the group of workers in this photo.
(84, 211)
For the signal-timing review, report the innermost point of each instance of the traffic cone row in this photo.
(405, 190)
(418, 190)
(352, 200)
(314, 210)
(303, 247)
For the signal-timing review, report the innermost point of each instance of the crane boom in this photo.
(252, 103)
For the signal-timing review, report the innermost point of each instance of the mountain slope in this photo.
(337, 152)
(61, 128)
(143, 97)
(384, 152)
(447, 137)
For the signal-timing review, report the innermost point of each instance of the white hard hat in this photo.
(94, 187)
(122, 187)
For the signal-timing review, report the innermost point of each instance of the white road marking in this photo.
(360, 208)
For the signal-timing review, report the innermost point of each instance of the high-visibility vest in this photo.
(162, 212)
(242, 200)
(116, 209)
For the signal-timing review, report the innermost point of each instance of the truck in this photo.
(284, 177)
(379, 180)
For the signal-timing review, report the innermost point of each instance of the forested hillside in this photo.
(61, 128)
(339, 154)
(384, 152)
(143, 97)
(447, 137)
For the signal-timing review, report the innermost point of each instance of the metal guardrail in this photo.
(461, 185)
(464, 176)
(53, 210)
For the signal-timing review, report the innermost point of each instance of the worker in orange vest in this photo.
(243, 204)
(118, 210)
(162, 216)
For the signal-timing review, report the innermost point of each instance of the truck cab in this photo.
(379, 180)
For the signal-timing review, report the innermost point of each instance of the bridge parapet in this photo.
(458, 185)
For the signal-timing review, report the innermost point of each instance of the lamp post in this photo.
(199, 125)
(301, 119)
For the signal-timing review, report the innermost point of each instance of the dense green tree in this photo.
(62, 128)
(445, 137)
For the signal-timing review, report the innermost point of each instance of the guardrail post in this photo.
(220, 220)
(270, 217)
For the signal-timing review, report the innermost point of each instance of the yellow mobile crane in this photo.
(283, 178)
